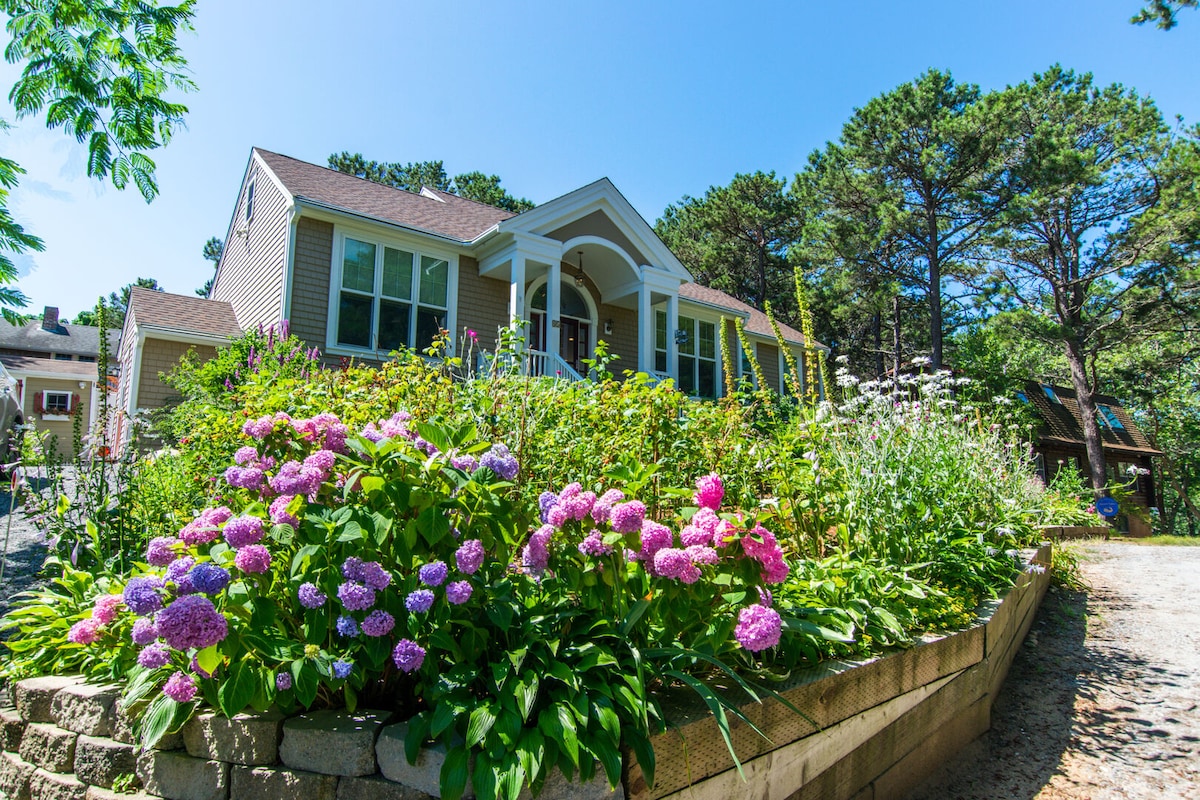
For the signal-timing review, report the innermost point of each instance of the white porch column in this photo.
(672, 326)
(516, 293)
(553, 308)
(645, 330)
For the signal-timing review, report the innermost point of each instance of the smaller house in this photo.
(159, 329)
(1128, 454)
(54, 366)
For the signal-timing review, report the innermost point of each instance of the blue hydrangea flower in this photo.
(347, 627)
(342, 669)
(209, 578)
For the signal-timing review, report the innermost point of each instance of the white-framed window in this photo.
(250, 201)
(660, 341)
(56, 402)
(698, 358)
(388, 295)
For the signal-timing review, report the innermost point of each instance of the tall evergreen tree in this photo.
(411, 177)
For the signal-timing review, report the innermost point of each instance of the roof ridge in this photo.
(472, 200)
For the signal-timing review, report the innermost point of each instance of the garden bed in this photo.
(868, 729)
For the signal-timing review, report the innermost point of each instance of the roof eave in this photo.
(330, 208)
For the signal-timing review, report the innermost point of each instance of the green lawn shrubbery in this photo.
(519, 564)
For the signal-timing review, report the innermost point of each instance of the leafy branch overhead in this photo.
(103, 72)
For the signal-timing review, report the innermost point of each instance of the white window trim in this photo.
(418, 248)
(52, 416)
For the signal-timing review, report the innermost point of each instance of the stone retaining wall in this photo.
(867, 730)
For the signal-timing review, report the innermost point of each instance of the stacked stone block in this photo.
(64, 739)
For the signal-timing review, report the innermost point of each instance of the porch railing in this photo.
(536, 363)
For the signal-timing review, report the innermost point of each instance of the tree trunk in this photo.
(1087, 415)
(896, 339)
(877, 338)
(935, 292)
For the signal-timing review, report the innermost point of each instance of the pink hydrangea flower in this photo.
(536, 554)
(709, 491)
(603, 506)
(702, 554)
(671, 562)
(104, 610)
(706, 520)
(692, 535)
(161, 550)
(758, 628)
(279, 512)
(86, 631)
(242, 531)
(627, 517)
(469, 556)
(253, 558)
(655, 537)
(205, 527)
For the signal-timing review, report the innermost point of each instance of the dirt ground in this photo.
(1103, 701)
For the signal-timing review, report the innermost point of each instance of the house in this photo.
(159, 329)
(360, 269)
(1128, 454)
(54, 367)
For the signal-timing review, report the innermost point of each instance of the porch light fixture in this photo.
(608, 327)
(579, 278)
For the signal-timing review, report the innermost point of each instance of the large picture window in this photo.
(390, 297)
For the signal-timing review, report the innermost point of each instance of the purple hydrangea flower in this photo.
(593, 545)
(627, 517)
(178, 569)
(465, 462)
(322, 460)
(242, 531)
(161, 550)
(378, 623)
(536, 554)
(205, 527)
(245, 478)
(702, 554)
(458, 592)
(469, 556)
(355, 596)
(374, 576)
(283, 681)
(546, 501)
(347, 627)
(758, 628)
(180, 687)
(259, 428)
(141, 595)
(144, 631)
(603, 506)
(192, 621)
(253, 558)
(279, 512)
(408, 655)
(342, 669)
(500, 461)
(419, 601)
(209, 578)
(245, 456)
(296, 478)
(352, 569)
(654, 538)
(310, 596)
(154, 656)
(671, 562)
(433, 574)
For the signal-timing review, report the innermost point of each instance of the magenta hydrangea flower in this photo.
(761, 545)
(161, 550)
(206, 526)
(192, 621)
(671, 562)
(310, 596)
(602, 507)
(356, 597)
(104, 610)
(702, 554)
(433, 574)
(180, 687)
(283, 681)
(691, 535)
(536, 553)
(378, 623)
(765, 597)
(706, 520)
(241, 531)
(144, 631)
(419, 601)
(655, 537)
(593, 545)
(458, 592)
(141, 595)
(709, 491)
(154, 656)
(469, 556)
(253, 558)
(86, 631)
(758, 628)
(557, 516)
(279, 512)
(408, 655)
(627, 517)
(259, 428)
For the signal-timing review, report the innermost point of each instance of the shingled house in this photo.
(1128, 454)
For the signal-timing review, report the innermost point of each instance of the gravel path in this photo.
(25, 553)
(1103, 701)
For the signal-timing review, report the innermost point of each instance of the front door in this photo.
(574, 343)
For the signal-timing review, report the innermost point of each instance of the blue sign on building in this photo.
(1107, 507)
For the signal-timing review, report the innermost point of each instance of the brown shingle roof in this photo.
(448, 215)
(182, 313)
(757, 323)
(68, 369)
(1061, 423)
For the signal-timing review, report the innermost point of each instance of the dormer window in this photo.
(1108, 418)
(250, 201)
(1051, 394)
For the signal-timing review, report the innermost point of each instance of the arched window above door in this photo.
(570, 302)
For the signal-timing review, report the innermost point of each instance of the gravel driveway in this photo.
(1103, 701)
(25, 553)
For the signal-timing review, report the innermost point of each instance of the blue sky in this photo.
(665, 99)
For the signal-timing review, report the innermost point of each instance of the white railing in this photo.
(659, 377)
(564, 370)
(536, 363)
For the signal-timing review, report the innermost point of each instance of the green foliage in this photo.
(411, 177)
(13, 239)
(1162, 13)
(116, 305)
